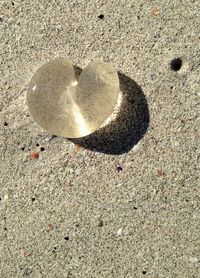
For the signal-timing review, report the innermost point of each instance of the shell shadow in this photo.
(130, 125)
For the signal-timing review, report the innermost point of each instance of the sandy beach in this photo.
(123, 202)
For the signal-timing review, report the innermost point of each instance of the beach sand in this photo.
(123, 203)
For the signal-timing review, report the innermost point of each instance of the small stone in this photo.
(100, 223)
(35, 155)
(101, 16)
(50, 226)
(155, 11)
(77, 171)
(48, 138)
(7, 86)
(58, 27)
(193, 259)
(160, 173)
(28, 271)
(119, 184)
(119, 232)
(78, 146)
(136, 148)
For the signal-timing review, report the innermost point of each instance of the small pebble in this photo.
(100, 223)
(193, 259)
(101, 16)
(136, 148)
(58, 27)
(50, 226)
(35, 155)
(160, 173)
(78, 146)
(119, 232)
(155, 11)
(49, 138)
(119, 184)
(7, 86)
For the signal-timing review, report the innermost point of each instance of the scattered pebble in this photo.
(71, 170)
(193, 259)
(100, 223)
(49, 138)
(78, 146)
(77, 172)
(26, 254)
(160, 173)
(7, 86)
(119, 232)
(101, 16)
(50, 226)
(90, 154)
(27, 271)
(35, 155)
(136, 148)
(155, 11)
(58, 27)
(119, 184)
(54, 250)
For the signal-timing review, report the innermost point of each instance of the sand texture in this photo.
(125, 201)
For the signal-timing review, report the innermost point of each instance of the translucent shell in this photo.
(72, 106)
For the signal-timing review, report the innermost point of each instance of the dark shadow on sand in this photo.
(130, 125)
